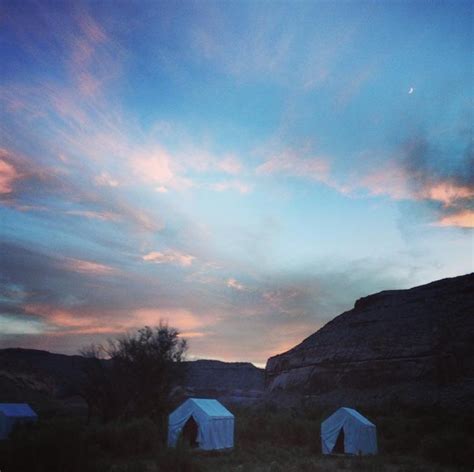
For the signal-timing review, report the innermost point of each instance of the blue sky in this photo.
(243, 170)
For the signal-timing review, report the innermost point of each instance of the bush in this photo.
(53, 446)
(284, 428)
(126, 438)
(451, 448)
(135, 466)
(178, 459)
(62, 444)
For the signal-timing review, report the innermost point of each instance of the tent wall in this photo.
(3, 426)
(8, 423)
(360, 435)
(215, 432)
(219, 434)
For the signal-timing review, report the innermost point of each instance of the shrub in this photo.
(126, 438)
(178, 459)
(53, 446)
(451, 448)
(62, 444)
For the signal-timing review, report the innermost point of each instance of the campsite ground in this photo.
(268, 458)
(266, 440)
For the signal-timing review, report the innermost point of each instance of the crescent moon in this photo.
(411, 90)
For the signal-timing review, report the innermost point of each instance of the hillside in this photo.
(410, 347)
(46, 378)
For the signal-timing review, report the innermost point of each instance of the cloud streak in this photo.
(170, 256)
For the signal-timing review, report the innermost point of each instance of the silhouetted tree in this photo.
(133, 375)
(99, 387)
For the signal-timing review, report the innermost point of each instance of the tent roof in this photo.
(212, 407)
(358, 416)
(16, 409)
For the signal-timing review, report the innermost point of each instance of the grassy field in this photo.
(267, 440)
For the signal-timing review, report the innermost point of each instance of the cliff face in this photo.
(412, 347)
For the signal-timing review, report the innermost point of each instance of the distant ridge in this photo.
(46, 379)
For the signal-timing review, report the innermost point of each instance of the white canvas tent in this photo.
(205, 422)
(13, 413)
(347, 431)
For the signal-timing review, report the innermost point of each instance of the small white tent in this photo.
(206, 423)
(347, 431)
(13, 413)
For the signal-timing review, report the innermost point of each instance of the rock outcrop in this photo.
(410, 347)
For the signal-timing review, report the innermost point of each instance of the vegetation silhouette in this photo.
(133, 375)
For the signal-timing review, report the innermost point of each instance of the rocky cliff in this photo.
(411, 347)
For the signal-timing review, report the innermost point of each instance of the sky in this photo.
(243, 171)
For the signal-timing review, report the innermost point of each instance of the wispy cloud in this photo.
(169, 256)
(106, 179)
(354, 84)
(96, 215)
(461, 219)
(416, 175)
(234, 284)
(292, 164)
(18, 174)
(8, 176)
(89, 267)
(67, 321)
(161, 170)
(269, 45)
(447, 192)
(230, 164)
(410, 175)
(237, 185)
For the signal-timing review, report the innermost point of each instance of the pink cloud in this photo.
(80, 321)
(391, 180)
(63, 321)
(8, 176)
(15, 168)
(106, 180)
(446, 192)
(192, 334)
(279, 298)
(89, 267)
(93, 58)
(155, 168)
(399, 184)
(182, 319)
(91, 28)
(159, 168)
(461, 219)
(233, 283)
(97, 215)
(169, 257)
